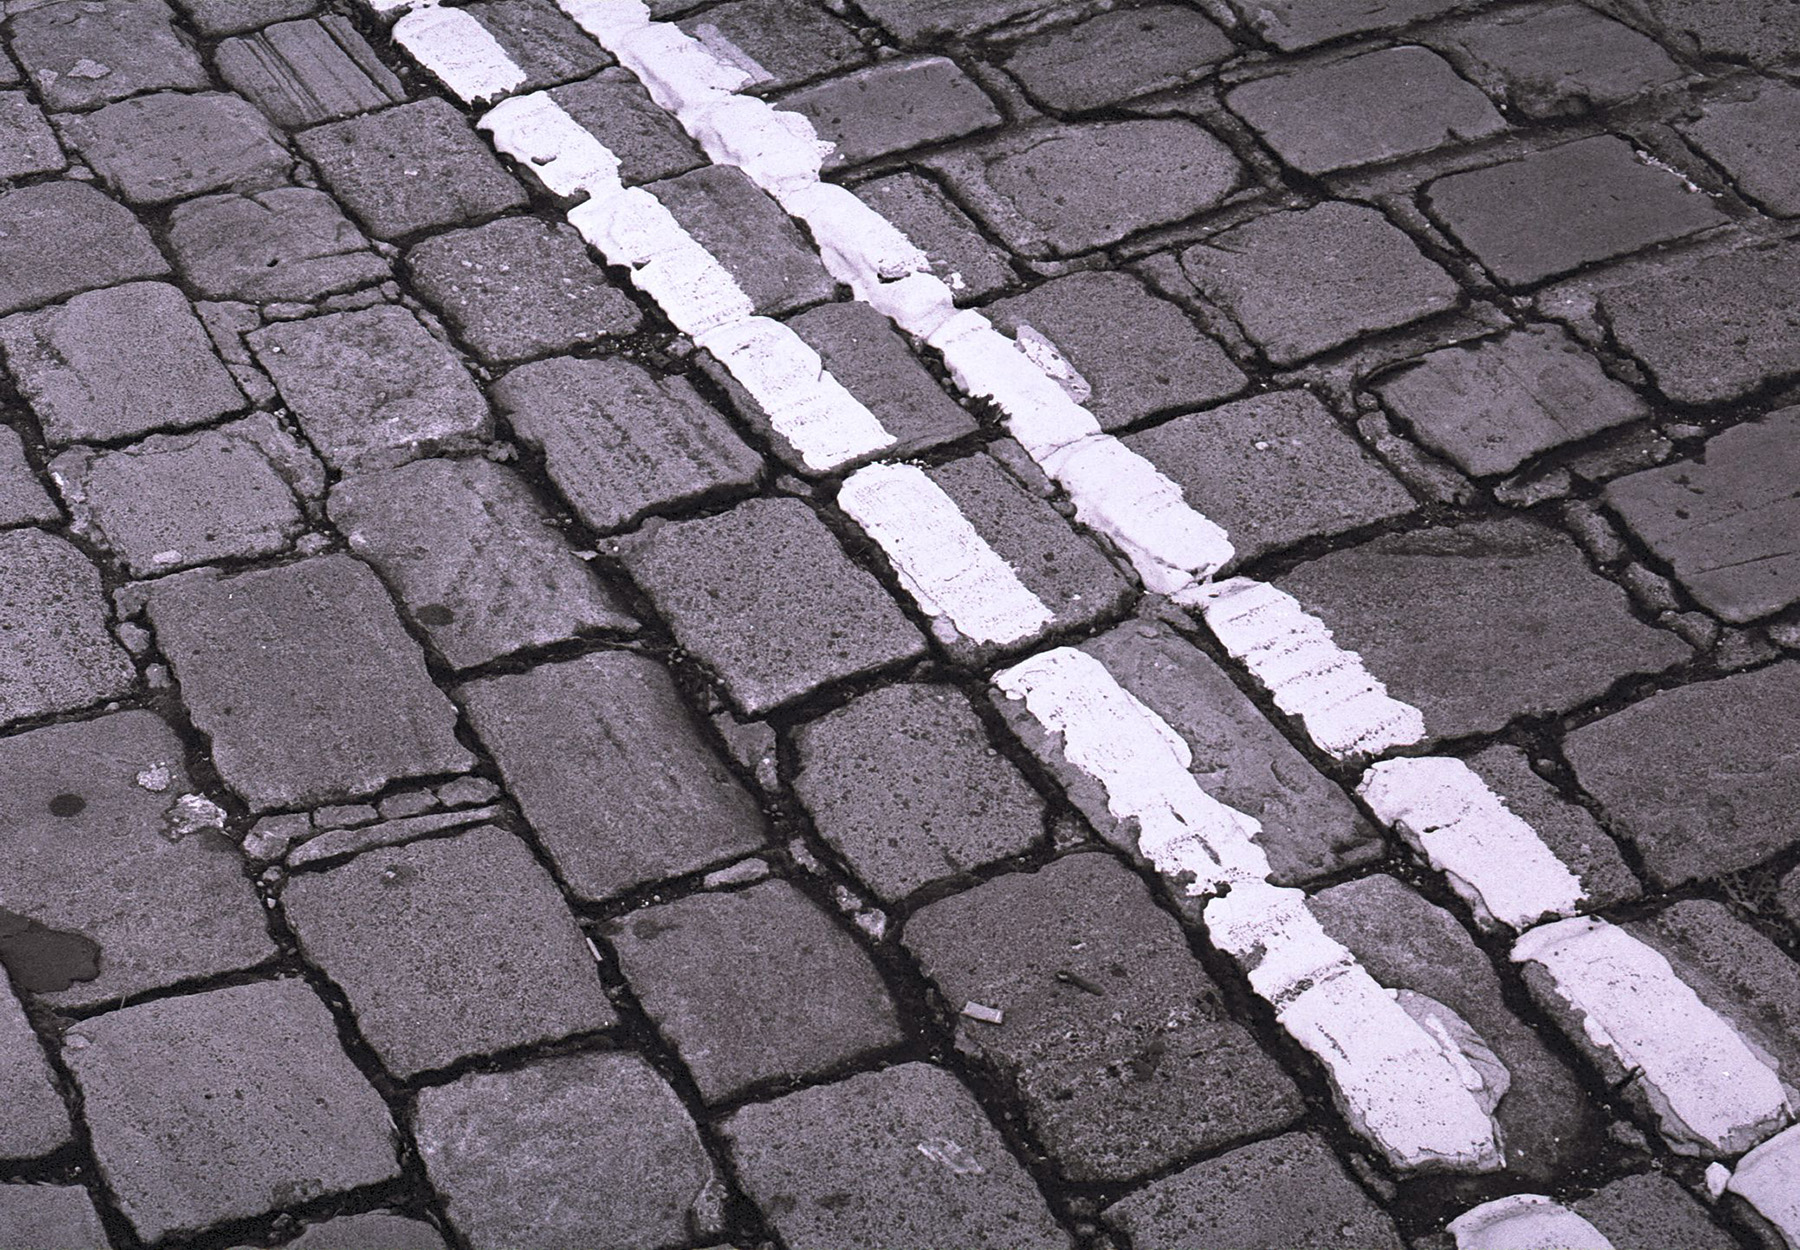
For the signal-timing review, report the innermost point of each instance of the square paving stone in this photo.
(959, 253)
(245, 1092)
(413, 167)
(1757, 31)
(633, 794)
(750, 235)
(1756, 141)
(862, 350)
(1115, 56)
(117, 363)
(90, 829)
(912, 21)
(579, 1152)
(291, 243)
(23, 499)
(229, 17)
(372, 388)
(1559, 61)
(88, 53)
(544, 44)
(1295, 24)
(620, 442)
(796, 998)
(648, 141)
(305, 681)
(156, 148)
(1728, 524)
(27, 144)
(448, 948)
(893, 107)
(1301, 283)
(1113, 1037)
(905, 785)
(49, 1215)
(901, 1157)
(1568, 829)
(374, 1230)
(519, 287)
(779, 44)
(1566, 207)
(1136, 353)
(61, 238)
(1288, 1193)
(33, 1120)
(306, 72)
(58, 656)
(474, 558)
(1275, 469)
(766, 598)
(1491, 405)
(1651, 1210)
(1702, 779)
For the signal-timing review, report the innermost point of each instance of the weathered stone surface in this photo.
(91, 834)
(777, 43)
(1651, 1210)
(1303, 282)
(648, 141)
(1114, 56)
(546, 45)
(1758, 31)
(58, 655)
(60, 238)
(291, 243)
(1559, 61)
(750, 235)
(27, 144)
(863, 351)
(228, 17)
(22, 497)
(893, 107)
(797, 998)
(620, 442)
(846, 1167)
(1571, 833)
(49, 1215)
(1113, 1038)
(249, 1098)
(413, 167)
(1787, 897)
(306, 72)
(1565, 207)
(33, 1120)
(912, 21)
(156, 148)
(305, 681)
(957, 250)
(1274, 470)
(1293, 24)
(115, 363)
(1756, 140)
(376, 1230)
(80, 55)
(765, 597)
(371, 388)
(1491, 405)
(1703, 779)
(520, 287)
(504, 1147)
(1288, 1193)
(1550, 634)
(633, 794)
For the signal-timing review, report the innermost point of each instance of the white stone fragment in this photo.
(460, 52)
(1042, 352)
(155, 778)
(777, 150)
(983, 1012)
(1525, 1222)
(948, 568)
(560, 152)
(1717, 1177)
(1711, 1092)
(1768, 1178)
(636, 230)
(1490, 856)
(860, 247)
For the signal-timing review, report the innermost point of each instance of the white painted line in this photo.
(636, 230)
(561, 153)
(459, 52)
(1525, 1222)
(1768, 1178)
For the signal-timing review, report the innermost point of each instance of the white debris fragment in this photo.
(190, 814)
(459, 52)
(1717, 1177)
(1768, 1178)
(1525, 1222)
(1043, 353)
(89, 69)
(538, 132)
(958, 1160)
(155, 778)
(983, 1012)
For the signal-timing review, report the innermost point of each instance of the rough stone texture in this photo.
(306, 72)
(1560, 209)
(541, 41)
(228, 17)
(33, 1120)
(377, 1230)
(633, 794)
(1788, 897)
(957, 250)
(1288, 1193)
(1651, 1210)
(1274, 470)
(797, 998)
(1560, 61)
(520, 287)
(648, 141)
(58, 655)
(1113, 1037)
(1480, 623)
(904, 785)
(779, 44)
(250, 1100)
(1303, 282)
(504, 1147)
(414, 167)
(1758, 31)
(1378, 107)
(1058, 190)
(1138, 354)
(913, 21)
(1294, 24)
(22, 497)
(1703, 779)
(162, 908)
(128, 46)
(60, 238)
(291, 243)
(1568, 829)
(473, 557)
(844, 1167)
(1715, 328)
(765, 597)
(620, 443)
(27, 144)
(305, 681)
(750, 235)
(893, 107)
(117, 363)
(371, 388)
(1115, 56)
(863, 351)
(1491, 405)
(48, 1215)
(157, 148)
(1756, 140)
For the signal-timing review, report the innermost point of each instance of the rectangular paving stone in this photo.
(1560, 209)
(373, 1230)
(750, 235)
(57, 1215)
(648, 141)
(305, 72)
(893, 107)
(59, 655)
(1560, 61)
(900, 1157)
(98, 51)
(33, 1120)
(1758, 31)
(27, 144)
(1756, 141)
(863, 351)
(58, 239)
(229, 17)
(1651, 1209)
(251, 1102)
(1114, 56)
(287, 244)
(156, 148)
(1294, 24)
(305, 682)
(764, 596)
(540, 40)
(23, 500)
(632, 794)
(959, 254)
(1113, 1037)
(779, 44)
(914, 21)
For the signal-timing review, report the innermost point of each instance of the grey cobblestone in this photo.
(914, 21)
(1758, 31)
(59, 656)
(52, 1215)
(779, 44)
(34, 1121)
(98, 51)
(649, 143)
(1651, 1210)
(1567, 828)
(862, 350)
(1295, 24)
(1115, 56)
(1559, 61)
(750, 235)
(156, 148)
(1754, 140)
(290, 243)
(23, 500)
(229, 17)
(959, 254)
(893, 107)
(540, 40)
(27, 144)
(305, 72)
(61, 238)
(375, 1230)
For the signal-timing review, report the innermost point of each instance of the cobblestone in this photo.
(59, 656)
(862, 350)
(649, 143)
(229, 17)
(27, 144)
(34, 1121)
(61, 238)
(1569, 830)
(779, 44)
(893, 107)
(1756, 140)
(546, 45)
(288, 244)
(305, 72)
(958, 252)
(914, 21)
(750, 235)
(1559, 62)
(157, 148)
(52, 1215)
(1651, 1210)
(375, 1230)
(1115, 56)
(1758, 31)
(23, 500)
(80, 55)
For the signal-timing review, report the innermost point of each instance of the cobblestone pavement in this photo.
(556, 692)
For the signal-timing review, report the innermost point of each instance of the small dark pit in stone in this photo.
(67, 805)
(435, 614)
(44, 960)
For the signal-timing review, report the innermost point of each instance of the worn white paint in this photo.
(559, 151)
(459, 52)
(636, 230)
(1525, 1222)
(860, 248)
(1768, 1178)
(1041, 351)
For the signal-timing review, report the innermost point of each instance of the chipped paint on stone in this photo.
(860, 248)
(459, 52)
(1525, 1222)
(559, 151)
(635, 230)
(1768, 1178)
(1038, 348)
